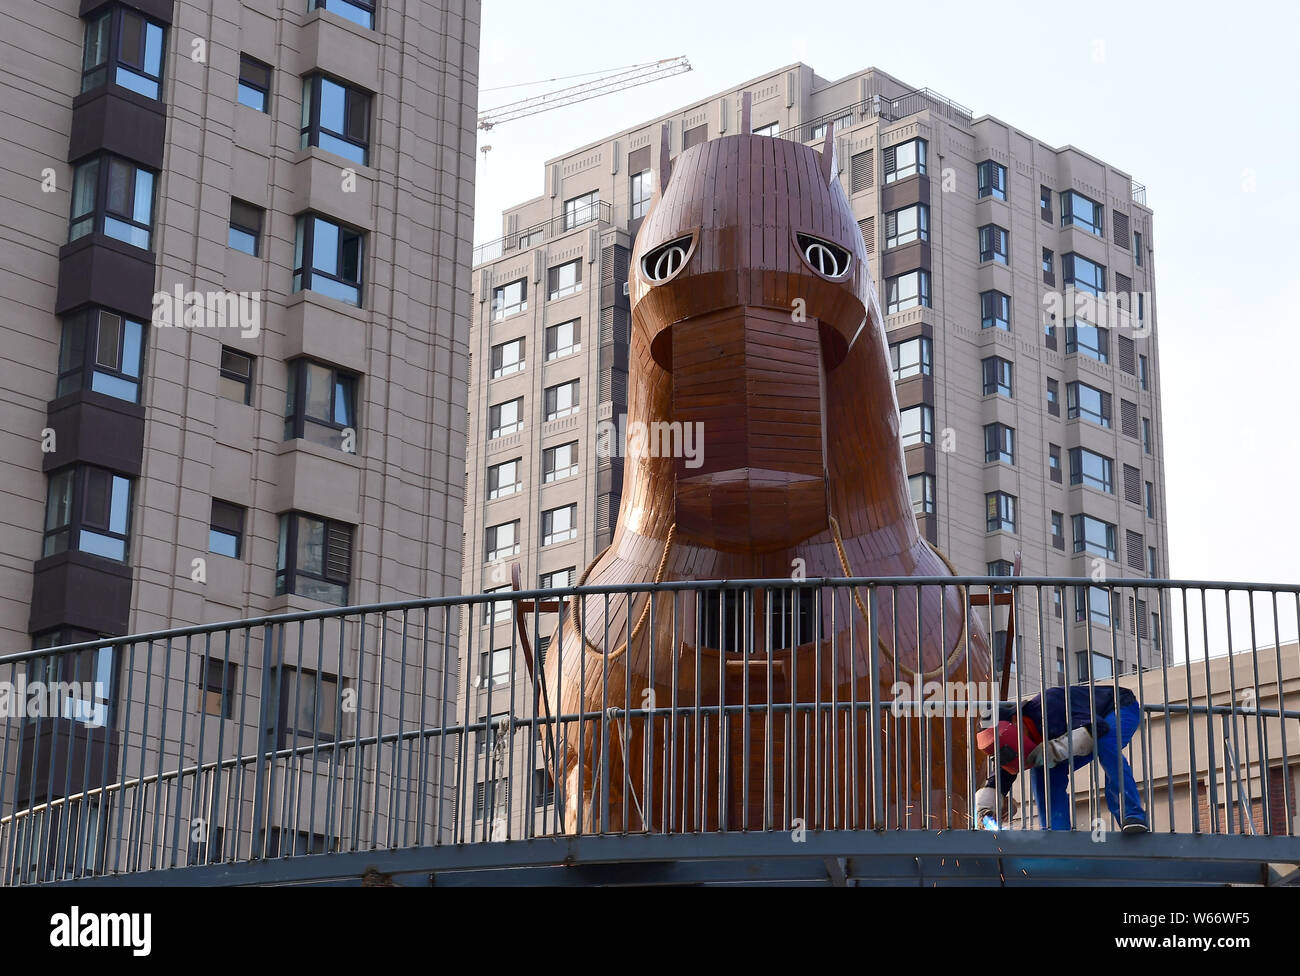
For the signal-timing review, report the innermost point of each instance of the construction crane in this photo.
(637, 74)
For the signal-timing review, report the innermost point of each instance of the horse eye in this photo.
(666, 259)
(822, 256)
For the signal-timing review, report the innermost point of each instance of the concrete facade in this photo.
(386, 468)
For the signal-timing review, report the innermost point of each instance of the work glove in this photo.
(986, 803)
(1075, 743)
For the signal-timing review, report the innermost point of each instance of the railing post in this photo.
(877, 785)
(263, 744)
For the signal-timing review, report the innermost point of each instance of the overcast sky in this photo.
(1196, 100)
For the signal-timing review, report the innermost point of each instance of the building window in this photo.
(1088, 403)
(1146, 435)
(1152, 569)
(254, 83)
(507, 358)
(494, 667)
(314, 559)
(558, 578)
(772, 130)
(995, 311)
(643, 192)
(1094, 536)
(321, 405)
(505, 478)
(1054, 463)
(1000, 509)
(226, 529)
(992, 180)
(1058, 537)
(1084, 275)
(336, 118)
(1092, 469)
(907, 291)
(245, 227)
(531, 238)
(328, 258)
(1080, 211)
(101, 351)
(1100, 669)
(1053, 397)
(997, 376)
(492, 797)
(561, 400)
(501, 541)
(1137, 249)
(1087, 340)
(114, 197)
(310, 709)
(509, 299)
(904, 160)
(907, 225)
(358, 11)
(88, 509)
(922, 489)
(126, 46)
(543, 788)
(1049, 266)
(1045, 203)
(236, 379)
(559, 462)
(564, 280)
(916, 425)
(993, 243)
(563, 339)
(999, 444)
(219, 688)
(496, 611)
(1142, 371)
(1149, 498)
(91, 671)
(1000, 567)
(581, 210)
(505, 418)
(560, 524)
(1092, 603)
(910, 357)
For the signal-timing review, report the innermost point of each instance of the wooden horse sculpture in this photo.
(756, 323)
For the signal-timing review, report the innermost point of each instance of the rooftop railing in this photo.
(419, 725)
(600, 212)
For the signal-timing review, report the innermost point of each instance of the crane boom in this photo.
(638, 74)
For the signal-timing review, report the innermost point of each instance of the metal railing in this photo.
(417, 724)
(882, 106)
(601, 212)
(1139, 194)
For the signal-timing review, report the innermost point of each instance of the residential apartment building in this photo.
(1029, 390)
(234, 325)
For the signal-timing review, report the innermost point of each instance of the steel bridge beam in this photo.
(917, 858)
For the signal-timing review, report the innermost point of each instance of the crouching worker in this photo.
(1058, 732)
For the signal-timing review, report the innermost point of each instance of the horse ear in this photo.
(828, 153)
(746, 102)
(665, 162)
